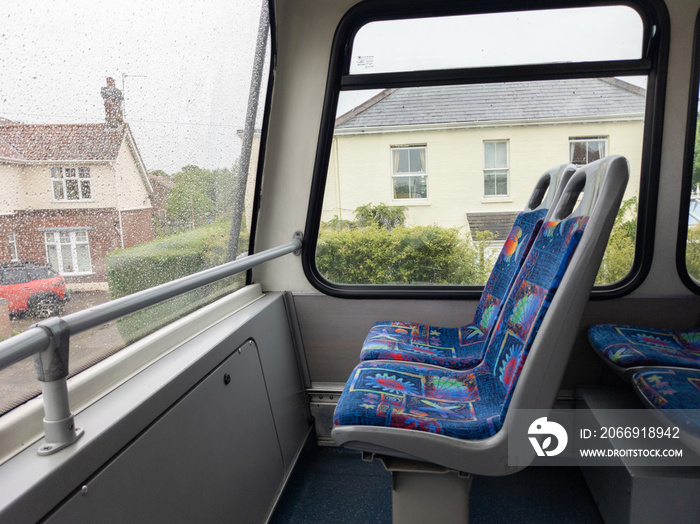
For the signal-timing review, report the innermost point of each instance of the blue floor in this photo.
(334, 486)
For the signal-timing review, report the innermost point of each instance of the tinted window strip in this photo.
(483, 75)
(689, 154)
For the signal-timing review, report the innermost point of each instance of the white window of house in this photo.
(495, 168)
(585, 149)
(409, 173)
(13, 246)
(71, 183)
(68, 252)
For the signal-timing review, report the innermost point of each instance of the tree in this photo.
(380, 215)
(159, 172)
(192, 201)
(224, 184)
(619, 254)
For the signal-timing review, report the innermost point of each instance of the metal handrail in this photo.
(48, 341)
(35, 339)
(23, 346)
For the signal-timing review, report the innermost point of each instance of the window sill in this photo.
(410, 202)
(78, 274)
(496, 200)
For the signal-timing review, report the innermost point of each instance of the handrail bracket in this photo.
(298, 235)
(51, 366)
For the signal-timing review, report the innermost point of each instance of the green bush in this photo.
(166, 259)
(403, 255)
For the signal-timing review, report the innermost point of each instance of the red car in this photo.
(32, 287)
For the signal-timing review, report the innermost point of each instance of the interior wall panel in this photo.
(212, 457)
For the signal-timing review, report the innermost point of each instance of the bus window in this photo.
(121, 148)
(423, 181)
(689, 225)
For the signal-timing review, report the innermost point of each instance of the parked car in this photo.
(32, 287)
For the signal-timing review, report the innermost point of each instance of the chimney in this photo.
(114, 112)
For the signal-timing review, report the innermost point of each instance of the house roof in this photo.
(498, 223)
(8, 152)
(503, 101)
(60, 142)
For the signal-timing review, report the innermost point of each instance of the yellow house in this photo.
(467, 156)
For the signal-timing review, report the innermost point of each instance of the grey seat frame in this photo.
(603, 184)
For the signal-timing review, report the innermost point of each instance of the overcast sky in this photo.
(195, 61)
(188, 66)
(564, 35)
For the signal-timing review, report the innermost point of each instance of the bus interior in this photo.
(256, 260)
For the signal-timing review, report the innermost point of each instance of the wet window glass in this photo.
(121, 148)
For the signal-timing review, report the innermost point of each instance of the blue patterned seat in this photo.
(628, 348)
(463, 347)
(408, 410)
(675, 392)
(467, 404)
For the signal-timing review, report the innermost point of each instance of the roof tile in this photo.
(60, 142)
(503, 101)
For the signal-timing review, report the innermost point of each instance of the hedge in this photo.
(163, 260)
(403, 255)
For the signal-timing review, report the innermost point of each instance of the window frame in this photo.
(586, 139)
(410, 174)
(652, 64)
(63, 179)
(688, 156)
(74, 243)
(497, 196)
(12, 240)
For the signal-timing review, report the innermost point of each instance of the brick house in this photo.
(73, 193)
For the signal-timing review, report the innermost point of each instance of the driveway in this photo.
(18, 383)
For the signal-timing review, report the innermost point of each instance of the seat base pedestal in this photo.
(423, 492)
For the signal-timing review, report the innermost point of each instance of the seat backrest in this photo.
(541, 274)
(540, 365)
(530, 297)
(544, 195)
(582, 219)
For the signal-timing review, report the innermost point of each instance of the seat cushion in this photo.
(632, 346)
(676, 392)
(459, 404)
(456, 348)
(465, 404)
(463, 347)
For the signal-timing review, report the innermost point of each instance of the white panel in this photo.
(212, 457)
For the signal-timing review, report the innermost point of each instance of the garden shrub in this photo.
(164, 260)
(402, 255)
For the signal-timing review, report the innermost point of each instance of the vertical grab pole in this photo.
(51, 366)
